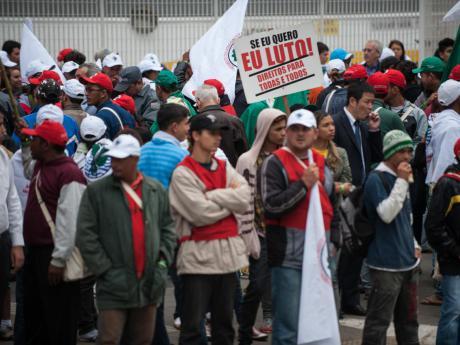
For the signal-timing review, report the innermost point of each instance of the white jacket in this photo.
(10, 206)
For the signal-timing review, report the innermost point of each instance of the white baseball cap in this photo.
(6, 60)
(124, 146)
(35, 67)
(92, 128)
(302, 117)
(152, 57)
(50, 112)
(73, 88)
(386, 52)
(113, 59)
(448, 92)
(69, 66)
(337, 64)
(149, 65)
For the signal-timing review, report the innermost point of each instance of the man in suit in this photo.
(363, 144)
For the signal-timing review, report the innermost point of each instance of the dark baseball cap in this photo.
(128, 76)
(208, 121)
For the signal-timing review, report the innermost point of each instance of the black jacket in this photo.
(371, 143)
(442, 222)
(234, 142)
(240, 104)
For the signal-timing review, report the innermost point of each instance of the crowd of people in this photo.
(112, 180)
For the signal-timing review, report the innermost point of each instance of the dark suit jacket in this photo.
(371, 142)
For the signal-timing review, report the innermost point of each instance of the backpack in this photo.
(358, 231)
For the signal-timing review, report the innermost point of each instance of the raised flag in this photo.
(213, 55)
(33, 49)
(318, 324)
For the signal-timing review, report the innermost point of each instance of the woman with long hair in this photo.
(398, 49)
(336, 157)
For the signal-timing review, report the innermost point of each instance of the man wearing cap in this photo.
(335, 98)
(167, 90)
(388, 119)
(98, 90)
(234, 139)
(413, 117)
(223, 97)
(205, 194)
(69, 69)
(334, 72)
(431, 71)
(128, 246)
(74, 94)
(443, 235)
(445, 131)
(343, 55)
(111, 66)
(363, 144)
(150, 69)
(51, 305)
(372, 51)
(286, 179)
(47, 95)
(393, 256)
(147, 103)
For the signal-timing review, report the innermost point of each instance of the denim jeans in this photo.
(286, 285)
(449, 322)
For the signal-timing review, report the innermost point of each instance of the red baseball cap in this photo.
(46, 75)
(355, 72)
(126, 102)
(396, 78)
(455, 73)
(51, 131)
(217, 84)
(99, 79)
(457, 148)
(63, 53)
(380, 82)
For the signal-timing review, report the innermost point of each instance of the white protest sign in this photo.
(279, 62)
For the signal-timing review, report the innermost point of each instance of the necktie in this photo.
(360, 146)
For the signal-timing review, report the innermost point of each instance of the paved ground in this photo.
(350, 327)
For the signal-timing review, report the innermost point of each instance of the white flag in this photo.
(32, 49)
(318, 324)
(213, 56)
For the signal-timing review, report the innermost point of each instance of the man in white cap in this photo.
(73, 96)
(5, 59)
(69, 69)
(334, 71)
(35, 68)
(149, 70)
(286, 178)
(127, 246)
(445, 131)
(112, 65)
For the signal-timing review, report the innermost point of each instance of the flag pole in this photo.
(14, 105)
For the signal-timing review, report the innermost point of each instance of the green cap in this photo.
(431, 64)
(167, 79)
(395, 141)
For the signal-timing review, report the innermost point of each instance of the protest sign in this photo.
(279, 62)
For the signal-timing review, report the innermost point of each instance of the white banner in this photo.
(279, 62)
(318, 322)
(213, 56)
(32, 49)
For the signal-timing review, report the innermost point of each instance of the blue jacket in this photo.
(70, 125)
(160, 157)
(393, 247)
(110, 120)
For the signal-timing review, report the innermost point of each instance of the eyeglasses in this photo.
(366, 50)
